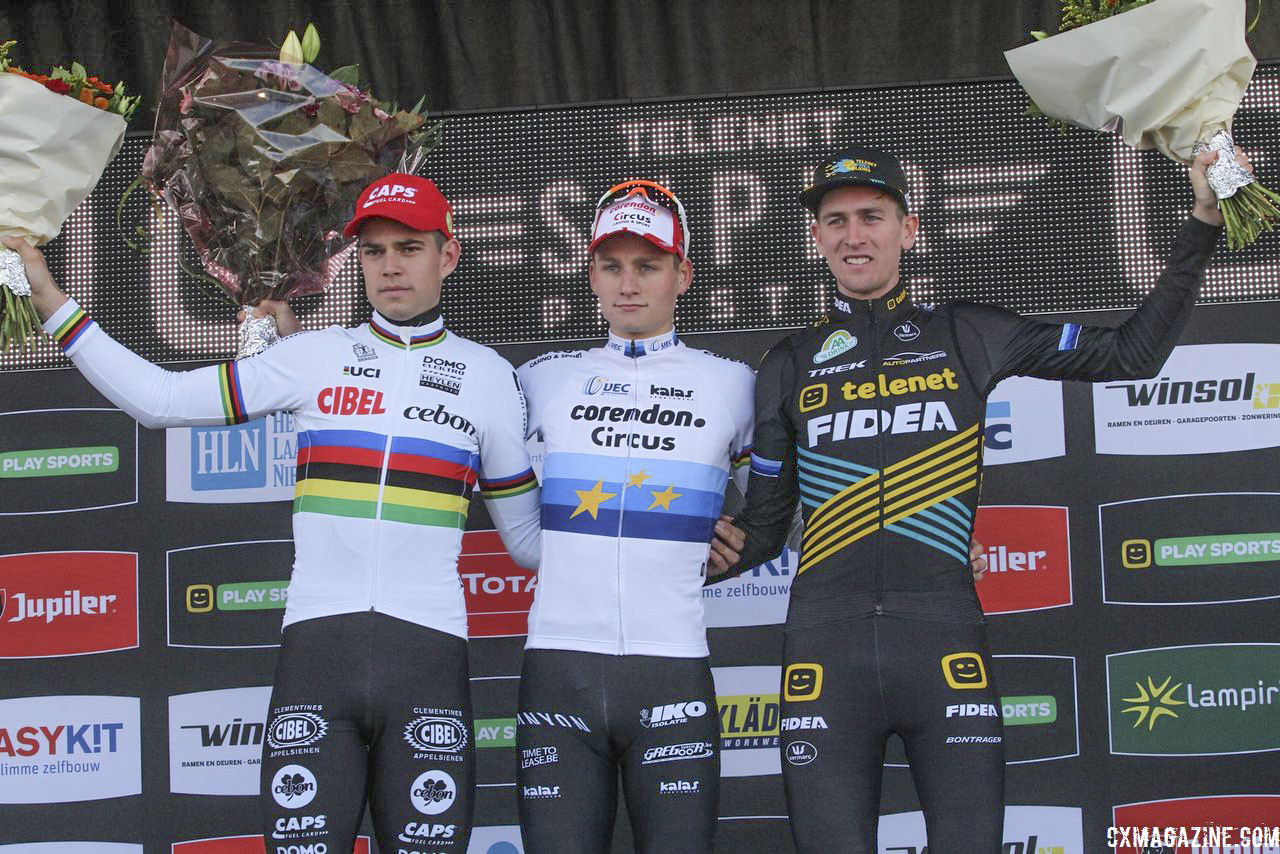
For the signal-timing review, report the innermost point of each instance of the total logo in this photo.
(800, 753)
(68, 603)
(498, 592)
(427, 833)
(677, 752)
(679, 787)
(433, 792)
(293, 787)
(670, 714)
(604, 385)
(433, 734)
(350, 400)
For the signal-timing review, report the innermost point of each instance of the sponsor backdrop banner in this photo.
(1133, 526)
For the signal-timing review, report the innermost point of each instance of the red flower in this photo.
(59, 86)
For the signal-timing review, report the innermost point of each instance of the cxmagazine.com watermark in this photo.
(1209, 839)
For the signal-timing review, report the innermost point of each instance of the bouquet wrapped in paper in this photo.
(58, 132)
(262, 158)
(1165, 74)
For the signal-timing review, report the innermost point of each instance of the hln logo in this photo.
(228, 457)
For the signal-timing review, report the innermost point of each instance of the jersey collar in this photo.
(890, 305)
(634, 348)
(410, 337)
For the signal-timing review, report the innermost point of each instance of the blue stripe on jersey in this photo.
(657, 525)
(563, 492)
(764, 466)
(343, 438)
(945, 548)
(1070, 335)
(616, 470)
(806, 455)
(437, 450)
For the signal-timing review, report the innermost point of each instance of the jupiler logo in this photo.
(671, 714)
(17, 607)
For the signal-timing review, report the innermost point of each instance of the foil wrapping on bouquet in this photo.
(1225, 174)
(256, 334)
(13, 275)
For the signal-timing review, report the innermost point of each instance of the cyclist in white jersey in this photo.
(640, 439)
(397, 421)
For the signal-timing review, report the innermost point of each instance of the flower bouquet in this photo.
(58, 132)
(1166, 74)
(262, 156)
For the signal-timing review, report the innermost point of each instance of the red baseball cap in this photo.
(645, 209)
(407, 199)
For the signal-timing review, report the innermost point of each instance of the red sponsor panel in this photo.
(245, 845)
(1242, 812)
(68, 603)
(499, 592)
(1028, 556)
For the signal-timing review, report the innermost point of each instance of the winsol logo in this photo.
(1195, 816)
(498, 592)
(69, 748)
(1028, 558)
(215, 741)
(1208, 398)
(68, 603)
(255, 845)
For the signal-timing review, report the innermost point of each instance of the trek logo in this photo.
(802, 682)
(433, 792)
(371, 373)
(801, 753)
(921, 417)
(436, 734)
(296, 729)
(838, 369)
(837, 342)
(677, 752)
(293, 787)
(884, 387)
(907, 331)
(964, 670)
(68, 603)
(350, 400)
(390, 193)
(604, 385)
(439, 415)
(813, 397)
(670, 714)
(363, 352)
(679, 787)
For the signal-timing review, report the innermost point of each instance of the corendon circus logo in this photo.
(1211, 548)
(93, 466)
(228, 595)
(251, 845)
(1205, 700)
(1028, 556)
(68, 603)
(1196, 819)
(498, 592)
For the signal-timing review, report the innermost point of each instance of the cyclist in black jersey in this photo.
(872, 420)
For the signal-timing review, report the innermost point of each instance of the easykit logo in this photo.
(244, 463)
(228, 595)
(1196, 818)
(1211, 548)
(68, 603)
(1028, 558)
(1024, 421)
(748, 701)
(256, 845)
(757, 597)
(69, 748)
(1038, 706)
(95, 465)
(215, 741)
(837, 342)
(1205, 700)
(1027, 830)
(1208, 398)
(498, 591)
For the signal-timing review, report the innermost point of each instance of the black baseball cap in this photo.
(857, 166)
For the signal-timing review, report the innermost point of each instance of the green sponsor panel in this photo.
(252, 595)
(495, 732)
(1029, 710)
(1196, 700)
(60, 462)
(1217, 548)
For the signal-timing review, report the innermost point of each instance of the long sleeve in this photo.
(507, 482)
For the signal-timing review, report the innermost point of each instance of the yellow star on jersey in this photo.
(589, 500)
(665, 497)
(637, 480)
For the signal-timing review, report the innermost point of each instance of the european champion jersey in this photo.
(640, 438)
(395, 427)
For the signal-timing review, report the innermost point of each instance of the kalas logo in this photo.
(498, 592)
(68, 603)
(1028, 558)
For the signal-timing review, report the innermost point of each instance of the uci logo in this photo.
(349, 371)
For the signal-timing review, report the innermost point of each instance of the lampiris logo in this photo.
(1208, 398)
(228, 595)
(94, 465)
(1201, 549)
(68, 603)
(1204, 700)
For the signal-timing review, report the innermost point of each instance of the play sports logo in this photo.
(1205, 700)
(228, 595)
(1208, 398)
(60, 460)
(68, 603)
(1208, 548)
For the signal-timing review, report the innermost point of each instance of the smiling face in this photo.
(637, 284)
(404, 269)
(861, 232)
(964, 670)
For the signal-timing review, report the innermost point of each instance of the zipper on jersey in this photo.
(622, 505)
(880, 454)
(392, 407)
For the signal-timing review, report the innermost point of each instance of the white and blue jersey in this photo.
(640, 439)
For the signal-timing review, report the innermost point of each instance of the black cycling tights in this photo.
(368, 706)
(846, 686)
(583, 716)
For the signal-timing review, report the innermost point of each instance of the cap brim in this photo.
(812, 197)
(674, 250)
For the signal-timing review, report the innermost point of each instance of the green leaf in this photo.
(78, 72)
(310, 44)
(1039, 35)
(349, 74)
(291, 50)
